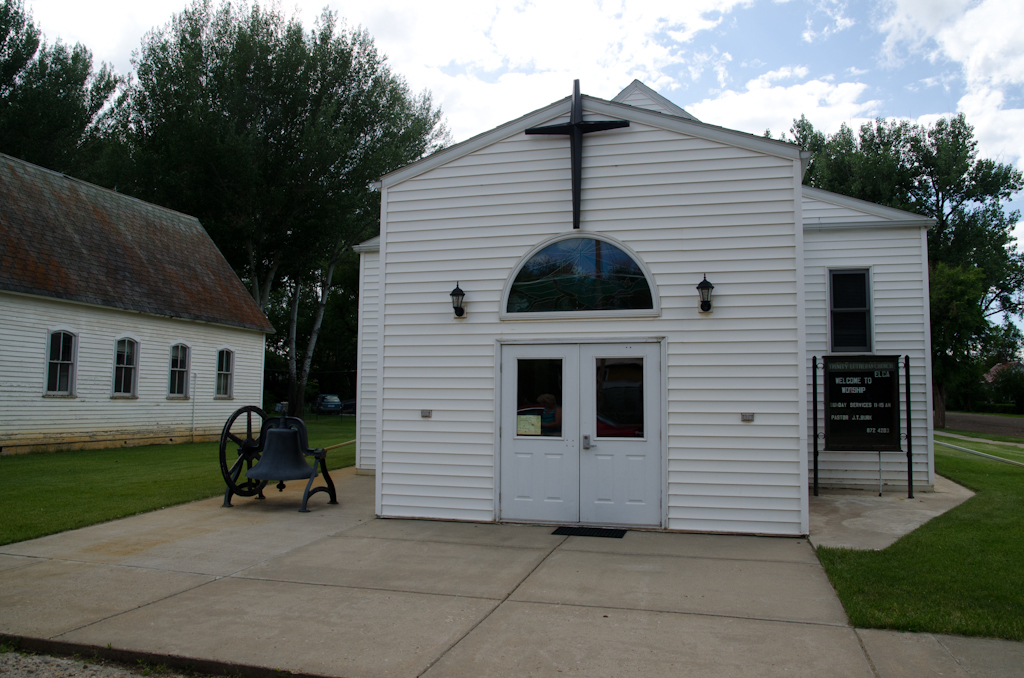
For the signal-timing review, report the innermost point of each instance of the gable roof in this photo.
(371, 245)
(593, 105)
(68, 239)
(873, 213)
(640, 95)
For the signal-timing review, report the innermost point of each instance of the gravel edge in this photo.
(14, 664)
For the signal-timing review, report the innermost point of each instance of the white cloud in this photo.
(518, 56)
(698, 62)
(986, 39)
(765, 105)
(484, 61)
(999, 131)
(784, 73)
(911, 23)
(837, 21)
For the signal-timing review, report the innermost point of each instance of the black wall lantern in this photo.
(704, 289)
(457, 296)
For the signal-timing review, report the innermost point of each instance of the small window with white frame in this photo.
(225, 372)
(850, 310)
(126, 363)
(178, 386)
(60, 367)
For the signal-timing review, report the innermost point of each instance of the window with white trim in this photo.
(850, 310)
(225, 372)
(60, 370)
(179, 371)
(126, 362)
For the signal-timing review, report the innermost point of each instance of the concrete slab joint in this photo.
(392, 598)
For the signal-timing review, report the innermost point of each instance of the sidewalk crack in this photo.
(487, 616)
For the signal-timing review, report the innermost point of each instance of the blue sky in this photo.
(744, 64)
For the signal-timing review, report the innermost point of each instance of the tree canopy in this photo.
(51, 99)
(976, 272)
(270, 134)
(273, 136)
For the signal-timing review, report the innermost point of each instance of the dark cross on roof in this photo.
(576, 128)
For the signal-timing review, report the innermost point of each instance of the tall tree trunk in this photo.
(260, 291)
(295, 393)
(939, 393)
(325, 290)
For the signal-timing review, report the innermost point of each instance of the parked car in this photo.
(327, 403)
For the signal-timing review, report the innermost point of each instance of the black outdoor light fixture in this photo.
(457, 296)
(704, 290)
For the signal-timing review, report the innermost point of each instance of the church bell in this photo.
(282, 458)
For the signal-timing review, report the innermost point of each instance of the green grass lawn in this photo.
(974, 434)
(1012, 453)
(961, 573)
(47, 493)
(991, 414)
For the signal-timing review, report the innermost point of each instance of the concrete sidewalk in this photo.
(337, 593)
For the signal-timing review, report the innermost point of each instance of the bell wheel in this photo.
(239, 450)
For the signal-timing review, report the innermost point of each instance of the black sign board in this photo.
(862, 406)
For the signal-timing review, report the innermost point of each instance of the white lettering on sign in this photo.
(847, 380)
(861, 404)
(862, 417)
(840, 417)
(853, 389)
(837, 404)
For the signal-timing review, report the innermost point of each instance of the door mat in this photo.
(590, 532)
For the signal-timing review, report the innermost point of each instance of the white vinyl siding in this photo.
(640, 100)
(687, 206)
(821, 212)
(93, 418)
(366, 389)
(897, 259)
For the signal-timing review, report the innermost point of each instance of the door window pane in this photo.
(539, 397)
(620, 398)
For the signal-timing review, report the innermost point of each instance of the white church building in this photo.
(582, 380)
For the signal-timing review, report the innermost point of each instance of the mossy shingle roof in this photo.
(68, 239)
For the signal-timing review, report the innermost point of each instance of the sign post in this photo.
(862, 408)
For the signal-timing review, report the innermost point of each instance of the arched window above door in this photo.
(581, 275)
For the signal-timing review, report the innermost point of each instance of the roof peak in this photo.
(638, 90)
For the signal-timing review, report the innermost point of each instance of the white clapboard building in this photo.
(583, 383)
(122, 323)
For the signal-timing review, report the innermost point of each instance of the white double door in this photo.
(581, 434)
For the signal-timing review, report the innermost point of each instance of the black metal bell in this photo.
(282, 458)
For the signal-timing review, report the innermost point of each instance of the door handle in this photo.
(586, 442)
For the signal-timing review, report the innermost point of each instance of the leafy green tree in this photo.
(273, 136)
(1008, 387)
(51, 99)
(19, 40)
(973, 260)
